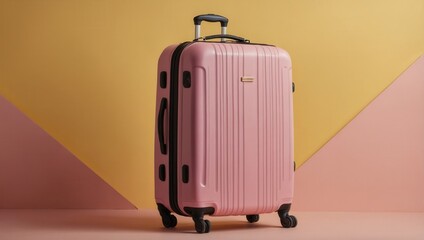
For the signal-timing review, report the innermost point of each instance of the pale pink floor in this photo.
(146, 224)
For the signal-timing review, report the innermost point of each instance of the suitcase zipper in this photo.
(173, 129)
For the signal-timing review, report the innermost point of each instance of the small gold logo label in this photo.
(247, 79)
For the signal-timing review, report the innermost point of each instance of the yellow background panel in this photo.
(85, 71)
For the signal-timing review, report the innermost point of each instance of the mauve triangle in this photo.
(37, 172)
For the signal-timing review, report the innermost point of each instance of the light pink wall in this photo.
(375, 163)
(38, 172)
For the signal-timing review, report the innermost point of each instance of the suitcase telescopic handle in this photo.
(161, 116)
(209, 18)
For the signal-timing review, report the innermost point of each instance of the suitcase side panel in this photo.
(236, 135)
(162, 187)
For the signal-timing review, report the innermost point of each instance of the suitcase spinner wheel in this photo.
(202, 226)
(287, 221)
(168, 220)
(252, 218)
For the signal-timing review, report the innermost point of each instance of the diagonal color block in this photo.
(38, 172)
(85, 71)
(376, 163)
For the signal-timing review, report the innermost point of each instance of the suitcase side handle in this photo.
(209, 18)
(163, 106)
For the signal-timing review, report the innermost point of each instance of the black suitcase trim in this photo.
(173, 129)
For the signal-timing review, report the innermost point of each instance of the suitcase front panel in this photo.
(235, 128)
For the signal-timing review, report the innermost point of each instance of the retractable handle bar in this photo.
(209, 18)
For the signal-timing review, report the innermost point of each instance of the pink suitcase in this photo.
(224, 129)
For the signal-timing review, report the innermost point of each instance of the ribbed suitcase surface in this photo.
(236, 136)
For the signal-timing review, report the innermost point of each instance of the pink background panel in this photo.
(38, 172)
(375, 163)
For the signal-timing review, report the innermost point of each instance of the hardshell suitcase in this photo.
(224, 129)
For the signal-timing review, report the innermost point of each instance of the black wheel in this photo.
(294, 221)
(201, 226)
(286, 222)
(252, 218)
(208, 226)
(169, 221)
